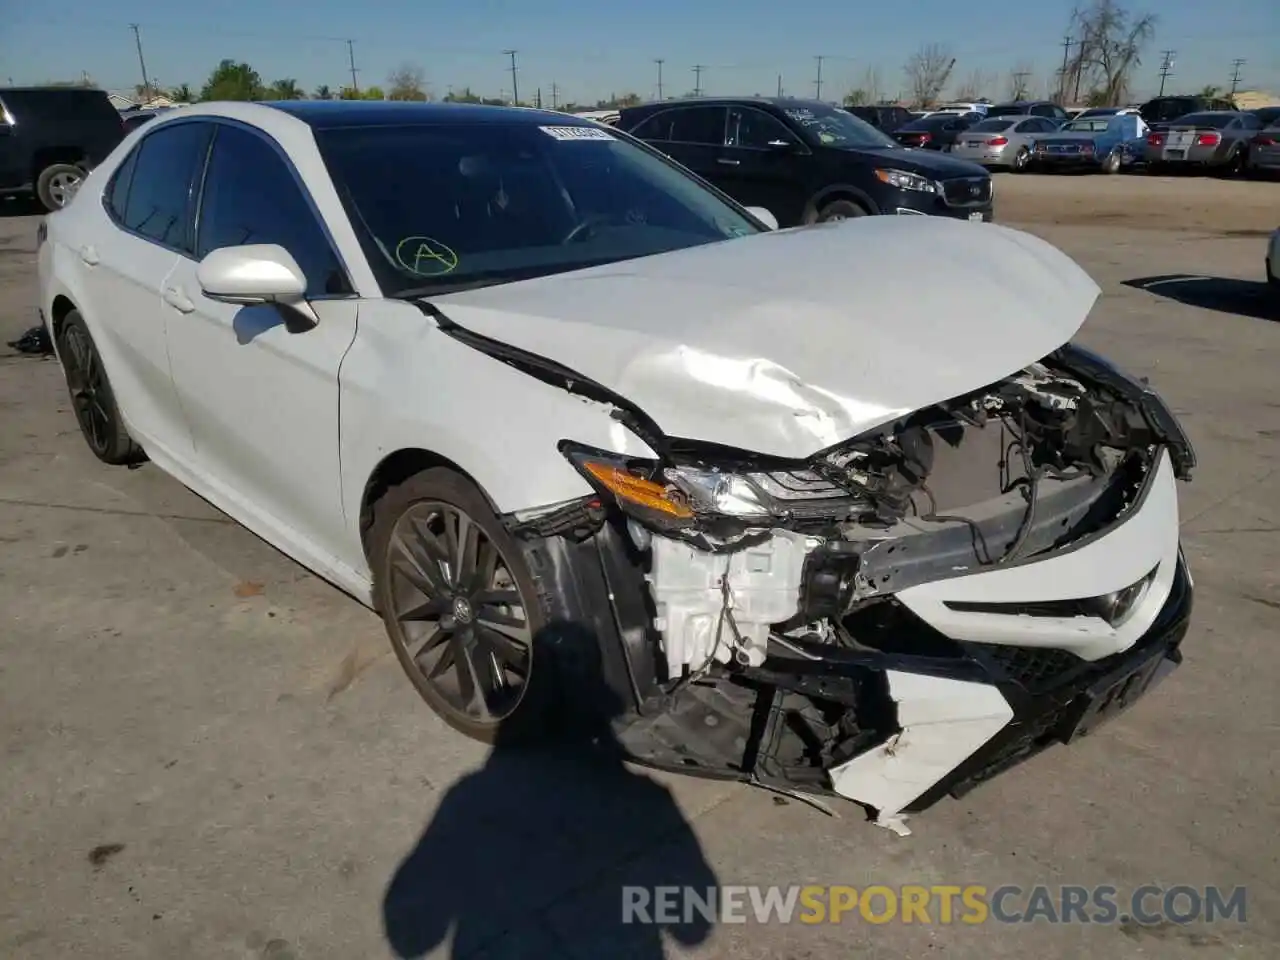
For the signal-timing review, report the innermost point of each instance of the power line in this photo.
(137, 39)
(1166, 68)
(659, 61)
(1067, 44)
(817, 84)
(515, 89)
(351, 58)
(1235, 73)
(697, 79)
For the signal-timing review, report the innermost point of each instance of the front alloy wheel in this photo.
(459, 606)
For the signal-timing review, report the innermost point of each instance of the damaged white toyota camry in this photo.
(599, 445)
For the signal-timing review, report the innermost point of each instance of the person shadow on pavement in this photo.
(553, 852)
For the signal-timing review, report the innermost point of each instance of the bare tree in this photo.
(1110, 40)
(927, 72)
(407, 82)
(869, 91)
(1019, 85)
(978, 83)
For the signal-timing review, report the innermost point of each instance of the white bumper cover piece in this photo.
(944, 721)
(1147, 540)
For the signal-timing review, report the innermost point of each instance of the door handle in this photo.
(89, 255)
(727, 162)
(175, 298)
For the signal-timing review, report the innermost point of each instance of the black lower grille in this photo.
(1035, 669)
(967, 191)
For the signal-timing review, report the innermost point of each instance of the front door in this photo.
(691, 136)
(263, 402)
(763, 164)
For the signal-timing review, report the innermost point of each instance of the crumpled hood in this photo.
(787, 342)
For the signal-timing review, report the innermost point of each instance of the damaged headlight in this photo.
(679, 496)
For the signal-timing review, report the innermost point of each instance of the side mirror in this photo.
(764, 216)
(252, 274)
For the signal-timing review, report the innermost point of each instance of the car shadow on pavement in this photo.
(19, 206)
(547, 852)
(1246, 298)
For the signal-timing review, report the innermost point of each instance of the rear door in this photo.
(765, 164)
(127, 256)
(692, 136)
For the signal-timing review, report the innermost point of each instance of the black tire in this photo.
(56, 184)
(840, 210)
(1021, 160)
(1111, 165)
(92, 398)
(412, 588)
(1235, 165)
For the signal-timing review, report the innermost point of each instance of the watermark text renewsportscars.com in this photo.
(934, 904)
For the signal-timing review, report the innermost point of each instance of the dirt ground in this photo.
(206, 753)
(1201, 205)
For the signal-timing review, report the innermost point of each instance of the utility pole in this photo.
(1020, 81)
(137, 39)
(1235, 73)
(351, 59)
(659, 61)
(779, 85)
(537, 98)
(697, 79)
(1166, 68)
(817, 84)
(515, 89)
(1067, 44)
(555, 97)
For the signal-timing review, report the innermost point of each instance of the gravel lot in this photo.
(208, 753)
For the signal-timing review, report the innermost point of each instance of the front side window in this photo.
(251, 196)
(701, 125)
(756, 129)
(455, 205)
(160, 203)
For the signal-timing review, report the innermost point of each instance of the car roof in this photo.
(781, 102)
(321, 114)
(1021, 103)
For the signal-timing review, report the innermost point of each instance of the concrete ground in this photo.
(208, 753)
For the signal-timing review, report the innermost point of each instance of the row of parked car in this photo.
(1163, 133)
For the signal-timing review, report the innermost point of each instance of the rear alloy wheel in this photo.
(57, 184)
(840, 210)
(1112, 163)
(1021, 160)
(92, 398)
(460, 607)
(1235, 164)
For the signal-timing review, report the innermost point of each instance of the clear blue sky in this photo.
(592, 49)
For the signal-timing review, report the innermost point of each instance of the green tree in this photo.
(1210, 90)
(182, 93)
(322, 93)
(286, 89)
(232, 81)
(466, 95)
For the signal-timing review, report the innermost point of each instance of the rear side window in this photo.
(251, 196)
(705, 125)
(116, 195)
(160, 202)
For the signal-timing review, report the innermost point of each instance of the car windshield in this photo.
(991, 126)
(1096, 125)
(1217, 121)
(831, 127)
(451, 206)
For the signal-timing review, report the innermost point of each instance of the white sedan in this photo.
(600, 445)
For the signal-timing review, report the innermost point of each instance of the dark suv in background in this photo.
(50, 137)
(1160, 111)
(806, 161)
(1029, 108)
(886, 117)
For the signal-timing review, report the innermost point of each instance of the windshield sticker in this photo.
(425, 257)
(576, 133)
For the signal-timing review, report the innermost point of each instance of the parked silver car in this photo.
(1002, 141)
(1264, 151)
(1218, 139)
